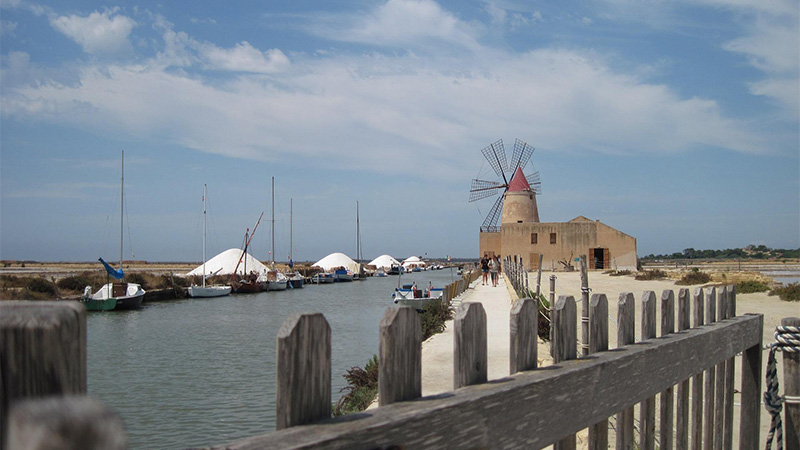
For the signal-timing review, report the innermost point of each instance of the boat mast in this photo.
(290, 229)
(358, 236)
(204, 235)
(121, 206)
(273, 223)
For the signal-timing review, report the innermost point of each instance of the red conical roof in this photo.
(519, 182)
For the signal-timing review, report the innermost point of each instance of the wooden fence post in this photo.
(598, 342)
(750, 420)
(682, 410)
(584, 308)
(711, 317)
(303, 370)
(552, 306)
(719, 380)
(626, 322)
(666, 410)
(524, 333)
(791, 388)
(727, 437)
(647, 409)
(565, 346)
(65, 423)
(42, 351)
(400, 349)
(697, 381)
(470, 348)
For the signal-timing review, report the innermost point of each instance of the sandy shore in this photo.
(437, 352)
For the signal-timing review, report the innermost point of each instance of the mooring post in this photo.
(42, 352)
(584, 308)
(791, 392)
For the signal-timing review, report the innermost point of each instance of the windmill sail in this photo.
(496, 157)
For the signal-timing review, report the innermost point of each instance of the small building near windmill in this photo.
(522, 235)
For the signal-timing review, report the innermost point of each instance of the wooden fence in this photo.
(459, 286)
(532, 408)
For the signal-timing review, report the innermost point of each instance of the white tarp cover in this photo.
(225, 264)
(384, 261)
(413, 261)
(337, 260)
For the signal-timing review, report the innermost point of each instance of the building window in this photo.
(552, 238)
(534, 238)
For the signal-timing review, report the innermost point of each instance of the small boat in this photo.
(410, 295)
(396, 269)
(296, 280)
(203, 290)
(343, 275)
(273, 281)
(115, 295)
(380, 272)
(323, 278)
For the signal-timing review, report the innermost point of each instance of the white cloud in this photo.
(418, 23)
(97, 33)
(244, 58)
(7, 28)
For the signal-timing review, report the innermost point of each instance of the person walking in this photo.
(494, 266)
(485, 269)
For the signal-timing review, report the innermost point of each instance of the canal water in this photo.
(199, 372)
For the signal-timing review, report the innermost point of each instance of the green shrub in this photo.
(433, 318)
(42, 286)
(138, 278)
(74, 283)
(789, 292)
(751, 286)
(655, 274)
(361, 389)
(694, 277)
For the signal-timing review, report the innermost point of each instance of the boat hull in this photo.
(208, 291)
(115, 296)
(99, 305)
(297, 282)
(249, 287)
(276, 285)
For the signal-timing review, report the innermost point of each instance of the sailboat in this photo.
(361, 275)
(207, 291)
(115, 295)
(295, 279)
(275, 281)
(249, 281)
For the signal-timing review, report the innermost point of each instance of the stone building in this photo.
(521, 233)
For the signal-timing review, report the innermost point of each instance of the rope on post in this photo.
(787, 339)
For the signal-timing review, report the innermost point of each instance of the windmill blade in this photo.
(522, 153)
(481, 189)
(495, 154)
(490, 222)
(534, 182)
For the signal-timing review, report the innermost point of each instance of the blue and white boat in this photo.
(410, 295)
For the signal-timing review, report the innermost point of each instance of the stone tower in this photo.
(520, 201)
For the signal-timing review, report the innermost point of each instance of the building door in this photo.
(598, 258)
(534, 261)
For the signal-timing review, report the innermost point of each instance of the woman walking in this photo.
(485, 269)
(494, 266)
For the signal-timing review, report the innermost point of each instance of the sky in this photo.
(675, 122)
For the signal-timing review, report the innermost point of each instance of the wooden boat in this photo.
(115, 295)
(248, 283)
(203, 290)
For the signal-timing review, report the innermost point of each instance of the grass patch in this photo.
(361, 389)
(751, 286)
(655, 274)
(789, 293)
(619, 273)
(694, 276)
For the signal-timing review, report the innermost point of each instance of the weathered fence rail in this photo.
(459, 286)
(531, 408)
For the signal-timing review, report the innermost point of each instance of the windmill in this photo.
(495, 154)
